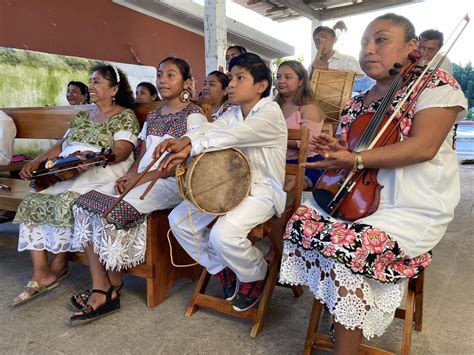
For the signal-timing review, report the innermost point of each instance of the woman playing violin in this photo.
(45, 218)
(358, 269)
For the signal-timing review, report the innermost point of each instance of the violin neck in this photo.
(375, 123)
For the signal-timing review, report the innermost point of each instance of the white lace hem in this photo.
(45, 237)
(355, 301)
(117, 248)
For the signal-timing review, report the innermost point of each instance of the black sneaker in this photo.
(248, 296)
(229, 283)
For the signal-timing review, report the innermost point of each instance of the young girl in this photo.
(356, 269)
(298, 104)
(214, 90)
(118, 242)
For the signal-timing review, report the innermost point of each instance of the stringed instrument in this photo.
(58, 169)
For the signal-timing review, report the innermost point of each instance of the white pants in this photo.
(226, 244)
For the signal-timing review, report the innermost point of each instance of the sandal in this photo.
(90, 314)
(79, 300)
(38, 289)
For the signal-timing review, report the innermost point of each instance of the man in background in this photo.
(429, 43)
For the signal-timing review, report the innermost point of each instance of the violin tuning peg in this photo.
(393, 71)
(398, 65)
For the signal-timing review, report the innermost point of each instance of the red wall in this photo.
(97, 29)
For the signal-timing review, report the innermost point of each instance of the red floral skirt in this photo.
(362, 248)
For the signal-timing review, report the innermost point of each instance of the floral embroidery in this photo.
(174, 124)
(124, 215)
(101, 134)
(360, 247)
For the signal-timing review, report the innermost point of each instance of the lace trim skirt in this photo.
(117, 248)
(46, 237)
(354, 300)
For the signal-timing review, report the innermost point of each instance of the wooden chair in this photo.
(273, 229)
(413, 313)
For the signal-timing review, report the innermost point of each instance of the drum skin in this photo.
(217, 182)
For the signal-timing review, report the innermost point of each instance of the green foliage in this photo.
(276, 62)
(465, 77)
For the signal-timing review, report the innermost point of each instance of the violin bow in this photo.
(70, 168)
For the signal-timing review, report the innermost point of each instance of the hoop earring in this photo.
(113, 100)
(185, 96)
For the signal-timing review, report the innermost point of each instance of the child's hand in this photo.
(171, 145)
(173, 159)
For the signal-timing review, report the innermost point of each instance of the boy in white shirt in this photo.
(256, 127)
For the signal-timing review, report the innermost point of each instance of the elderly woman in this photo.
(45, 218)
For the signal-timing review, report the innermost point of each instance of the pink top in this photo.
(294, 121)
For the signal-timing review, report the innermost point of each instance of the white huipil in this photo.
(121, 243)
(262, 138)
(416, 204)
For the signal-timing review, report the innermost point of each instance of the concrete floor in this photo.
(41, 326)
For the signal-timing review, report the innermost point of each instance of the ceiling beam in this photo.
(362, 7)
(301, 8)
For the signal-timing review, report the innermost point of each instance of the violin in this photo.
(351, 195)
(54, 170)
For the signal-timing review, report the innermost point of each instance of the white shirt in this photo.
(340, 61)
(7, 141)
(262, 138)
(447, 66)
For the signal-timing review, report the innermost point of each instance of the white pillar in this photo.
(314, 24)
(215, 34)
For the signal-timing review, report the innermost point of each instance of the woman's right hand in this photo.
(27, 171)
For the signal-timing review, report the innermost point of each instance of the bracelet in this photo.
(358, 162)
(354, 166)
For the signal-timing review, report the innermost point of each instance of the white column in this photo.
(314, 24)
(215, 34)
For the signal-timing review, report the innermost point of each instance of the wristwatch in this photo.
(358, 162)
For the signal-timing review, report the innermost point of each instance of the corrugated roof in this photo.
(321, 10)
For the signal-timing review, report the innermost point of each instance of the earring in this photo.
(113, 100)
(185, 96)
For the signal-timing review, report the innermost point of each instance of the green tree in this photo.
(465, 77)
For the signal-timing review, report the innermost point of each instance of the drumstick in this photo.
(135, 183)
(153, 182)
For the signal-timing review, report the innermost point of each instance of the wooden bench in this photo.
(52, 123)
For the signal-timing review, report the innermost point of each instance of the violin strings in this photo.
(374, 123)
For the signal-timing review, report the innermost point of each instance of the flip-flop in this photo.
(24, 296)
